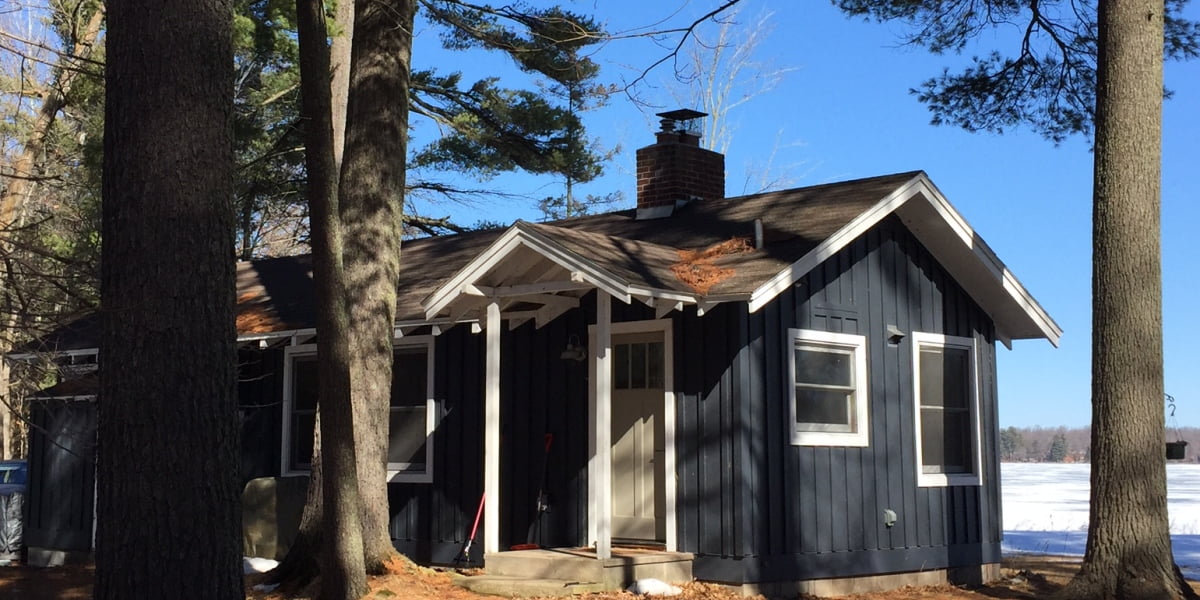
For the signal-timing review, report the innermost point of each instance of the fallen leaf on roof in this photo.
(256, 319)
(697, 270)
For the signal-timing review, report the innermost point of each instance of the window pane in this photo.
(933, 452)
(302, 439)
(409, 381)
(621, 366)
(823, 367)
(656, 365)
(637, 366)
(945, 441)
(304, 383)
(958, 374)
(827, 407)
(945, 376)
(958, 442)
(406, 435)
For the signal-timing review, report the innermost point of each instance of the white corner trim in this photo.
(840, 239)
(919, 339)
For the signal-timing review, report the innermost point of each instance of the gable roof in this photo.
(707, 252)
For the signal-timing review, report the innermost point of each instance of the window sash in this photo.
(411, 393)
(828, 395)
(946, 399)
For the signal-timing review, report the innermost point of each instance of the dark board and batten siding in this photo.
(752, 506)
(62, 471)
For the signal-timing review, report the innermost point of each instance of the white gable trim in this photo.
(788, 277)
(521, 234)
(982, 257)
(584, 274)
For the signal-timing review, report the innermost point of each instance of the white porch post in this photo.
(601, 488)
(491, 435)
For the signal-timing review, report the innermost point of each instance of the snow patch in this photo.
(255, 564)
(654, 587)
(1046, 510)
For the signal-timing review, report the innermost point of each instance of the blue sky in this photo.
(845, 112)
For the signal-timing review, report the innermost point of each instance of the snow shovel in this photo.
(543, 503)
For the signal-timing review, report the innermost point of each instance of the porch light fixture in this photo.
(575, 351)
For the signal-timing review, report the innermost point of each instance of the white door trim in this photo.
(596, 480)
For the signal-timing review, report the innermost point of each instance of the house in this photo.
(777, 389)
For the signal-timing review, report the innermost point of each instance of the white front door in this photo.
(638, 448)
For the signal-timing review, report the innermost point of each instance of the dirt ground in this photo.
(1028, 577)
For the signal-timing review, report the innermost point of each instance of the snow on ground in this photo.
(254, 564)
(1046, 510)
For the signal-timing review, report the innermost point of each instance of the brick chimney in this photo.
(676, 170)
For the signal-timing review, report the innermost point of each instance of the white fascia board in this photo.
(591, 272)
(518, 235)
(652, 295)
(474, 269)
(921, 188)
(841, 238)
(32, 355)
(988, 258)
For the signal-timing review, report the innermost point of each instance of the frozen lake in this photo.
(1046, 510)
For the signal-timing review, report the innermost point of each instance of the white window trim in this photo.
(922, 339)
(395, 471)
(857, 345)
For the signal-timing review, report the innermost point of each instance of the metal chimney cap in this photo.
(673, 121)
(681, 114)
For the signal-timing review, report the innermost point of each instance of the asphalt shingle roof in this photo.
(276, 294)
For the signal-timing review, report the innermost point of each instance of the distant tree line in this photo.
(1073, 444)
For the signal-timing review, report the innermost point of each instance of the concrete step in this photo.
(580, 564)
(524, 587)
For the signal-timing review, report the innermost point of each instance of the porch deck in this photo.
(626, 565)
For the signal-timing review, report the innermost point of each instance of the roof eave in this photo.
(1017, 315)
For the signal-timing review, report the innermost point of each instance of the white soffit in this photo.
(946, 234)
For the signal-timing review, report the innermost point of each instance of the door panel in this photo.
(637, 434)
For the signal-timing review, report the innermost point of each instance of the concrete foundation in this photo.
(844, 586)
(48, 557)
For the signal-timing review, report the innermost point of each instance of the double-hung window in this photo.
(828, 388)
(411, 418)
(947, 410)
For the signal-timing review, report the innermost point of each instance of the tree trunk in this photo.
(339, 59)
(372, 195)
(1128, 552)
(168, 450)
(301, 563)
(299, 566)
(342, 574)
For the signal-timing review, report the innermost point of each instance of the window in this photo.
(412, 410)
(638, 365)
(947, 408)
(828, 389)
